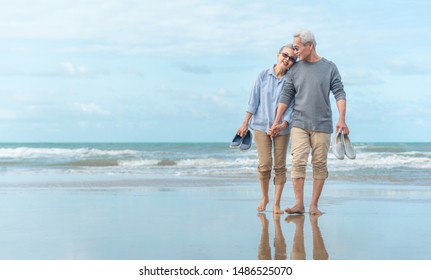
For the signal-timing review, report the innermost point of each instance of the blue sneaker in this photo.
(246, 141)
(236, 141)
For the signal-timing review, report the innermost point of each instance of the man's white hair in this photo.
(306, 36)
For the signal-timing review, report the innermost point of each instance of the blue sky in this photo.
(168, 71)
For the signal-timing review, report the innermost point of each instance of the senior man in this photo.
(310, 82)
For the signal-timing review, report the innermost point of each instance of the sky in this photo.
(182, 71)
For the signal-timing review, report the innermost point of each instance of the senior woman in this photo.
(260, 115)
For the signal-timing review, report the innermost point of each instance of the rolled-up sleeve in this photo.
(337, 87)
(287, 116)
(254, 100)
(288, 91)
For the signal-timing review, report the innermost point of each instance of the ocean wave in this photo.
(128, 158)
(90, 163)
(29, 152)
(418, 160)
(187, 163)
(388, 163)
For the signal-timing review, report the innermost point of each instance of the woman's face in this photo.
(286, 58)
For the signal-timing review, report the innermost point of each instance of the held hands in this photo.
(276, 129)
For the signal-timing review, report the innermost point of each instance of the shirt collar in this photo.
(271, 72)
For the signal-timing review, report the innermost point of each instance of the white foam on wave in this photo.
(138, 163)
(419, 160)
(214, 162)
(188, 167)
(191, 163)
(34, 153)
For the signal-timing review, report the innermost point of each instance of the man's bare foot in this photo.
(315, 212)
(276, 209)
(295, 210)
(262, 204)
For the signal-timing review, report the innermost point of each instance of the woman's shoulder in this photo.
(265, 72)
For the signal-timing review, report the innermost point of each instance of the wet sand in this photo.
(208, 220)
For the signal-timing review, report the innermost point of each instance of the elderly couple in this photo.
(291, 99)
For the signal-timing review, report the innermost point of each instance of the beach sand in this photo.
(206, 219)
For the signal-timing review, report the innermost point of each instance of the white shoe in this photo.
(338, 146)
(348, 147)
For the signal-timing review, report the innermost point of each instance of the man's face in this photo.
(301, 51)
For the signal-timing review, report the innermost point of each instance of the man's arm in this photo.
(281, 108)
(337, 89)
(277, 127)
(287, 94)
(341, 124)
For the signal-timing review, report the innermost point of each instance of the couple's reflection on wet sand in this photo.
(298, 246)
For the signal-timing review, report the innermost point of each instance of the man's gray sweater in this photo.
(309, 83)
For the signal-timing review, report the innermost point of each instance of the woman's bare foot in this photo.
(295, 210)
(276, 209)
(262, 204)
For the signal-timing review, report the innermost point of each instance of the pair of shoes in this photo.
(341, 145)
(244, 143)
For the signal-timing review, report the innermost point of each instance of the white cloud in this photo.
(193, 68)
(400, 66)
(186, 26)
(74, 69)
(361, 77)
(8, 115)
(204, 26)
(92, 108)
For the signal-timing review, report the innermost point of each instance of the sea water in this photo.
(393, 163)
